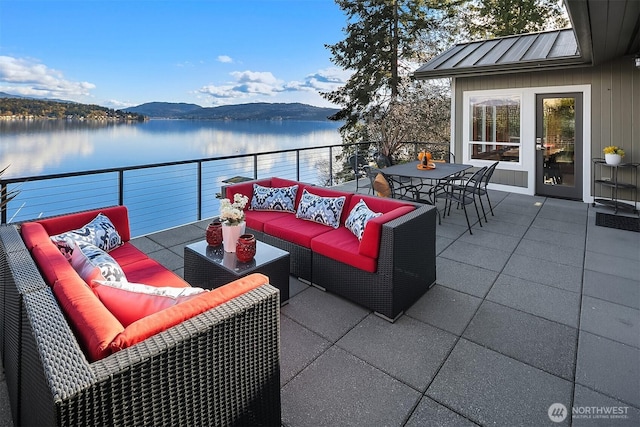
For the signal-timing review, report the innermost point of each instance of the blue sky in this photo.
(120, 53)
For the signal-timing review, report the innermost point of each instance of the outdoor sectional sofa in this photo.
(210, 360)
(386, 271)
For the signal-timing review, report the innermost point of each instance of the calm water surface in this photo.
(56, 146)
(157, 198)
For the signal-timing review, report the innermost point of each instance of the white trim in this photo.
(527, 133)
(452, 123)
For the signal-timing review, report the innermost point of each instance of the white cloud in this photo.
(225, 59)
(30, 78)
(252, 84)
(117, 105)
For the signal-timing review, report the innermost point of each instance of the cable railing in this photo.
(164, 195)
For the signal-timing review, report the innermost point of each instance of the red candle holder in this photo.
(214, 233)
(246, 248)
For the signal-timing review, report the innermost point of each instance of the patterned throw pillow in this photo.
(274, 199)
(92, 263)
(358, 218)
(323, 210)
(99, 232)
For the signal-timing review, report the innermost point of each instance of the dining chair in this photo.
(451, 191)
(483, 189)
(384, 186)
(357, 163)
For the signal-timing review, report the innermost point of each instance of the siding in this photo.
(615, 107)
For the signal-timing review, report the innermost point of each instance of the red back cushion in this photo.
(93, 324)
(165, 319)
(53, 265)
(129, 301)
(117, 214)
(370, 243)
(246, 189)
(33, 234)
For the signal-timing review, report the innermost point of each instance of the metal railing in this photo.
(165, 195)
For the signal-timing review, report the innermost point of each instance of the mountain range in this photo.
(252, 111)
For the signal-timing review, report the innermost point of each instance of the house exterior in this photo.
(546, 104)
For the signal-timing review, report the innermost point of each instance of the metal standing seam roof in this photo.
(507, 54)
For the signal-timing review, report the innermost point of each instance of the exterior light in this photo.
(638, 61)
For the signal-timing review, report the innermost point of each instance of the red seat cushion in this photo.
(151, 272)
(257, 219)
(165, 319)
(342, 245)
(93, 324)
(127, 254)
(295, 230)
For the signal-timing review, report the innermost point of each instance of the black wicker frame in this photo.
(218, 368)
(406, 264)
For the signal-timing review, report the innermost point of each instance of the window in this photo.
(495, 128)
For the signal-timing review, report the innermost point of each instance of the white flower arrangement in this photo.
(233, 213)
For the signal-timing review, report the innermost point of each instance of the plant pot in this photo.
(613, 159)
(230, 235)
(214, 233)
(246, 248)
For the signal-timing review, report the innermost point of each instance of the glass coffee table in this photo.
(211, 267)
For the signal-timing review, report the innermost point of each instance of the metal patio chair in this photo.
(452, 191)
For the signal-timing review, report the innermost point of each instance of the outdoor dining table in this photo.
(442, 171)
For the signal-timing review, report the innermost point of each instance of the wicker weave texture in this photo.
(406, 266)
(218, 368)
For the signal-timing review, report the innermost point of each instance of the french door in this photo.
(559, 145)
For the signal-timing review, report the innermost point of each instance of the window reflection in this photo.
(495, 128)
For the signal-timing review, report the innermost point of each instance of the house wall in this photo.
(615, 108)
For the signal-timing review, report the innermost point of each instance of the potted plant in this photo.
(232, 218)
(613, 155)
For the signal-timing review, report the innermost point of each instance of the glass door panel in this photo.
(559, 145)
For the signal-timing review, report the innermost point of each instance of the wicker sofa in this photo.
(197, 372)
(386, 271)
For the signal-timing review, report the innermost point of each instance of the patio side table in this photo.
(211, 267)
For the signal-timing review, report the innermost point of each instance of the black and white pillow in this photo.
(274, 198)
(358, 218)
(323, 210)
(92, 263)
(99, 232)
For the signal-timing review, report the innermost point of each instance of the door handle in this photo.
(539, 145)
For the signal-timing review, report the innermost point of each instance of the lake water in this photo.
(56, 146)
(157, 198)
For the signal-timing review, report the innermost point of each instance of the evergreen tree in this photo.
(385, 39)
(483, 19)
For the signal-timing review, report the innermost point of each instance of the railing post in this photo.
(121, 187)
(199, 197)
(330, 166)
(4, 190)
(297, 165)
(255, 166)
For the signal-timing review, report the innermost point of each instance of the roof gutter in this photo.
(578, 11)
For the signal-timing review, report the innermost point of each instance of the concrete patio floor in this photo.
(538, 307)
